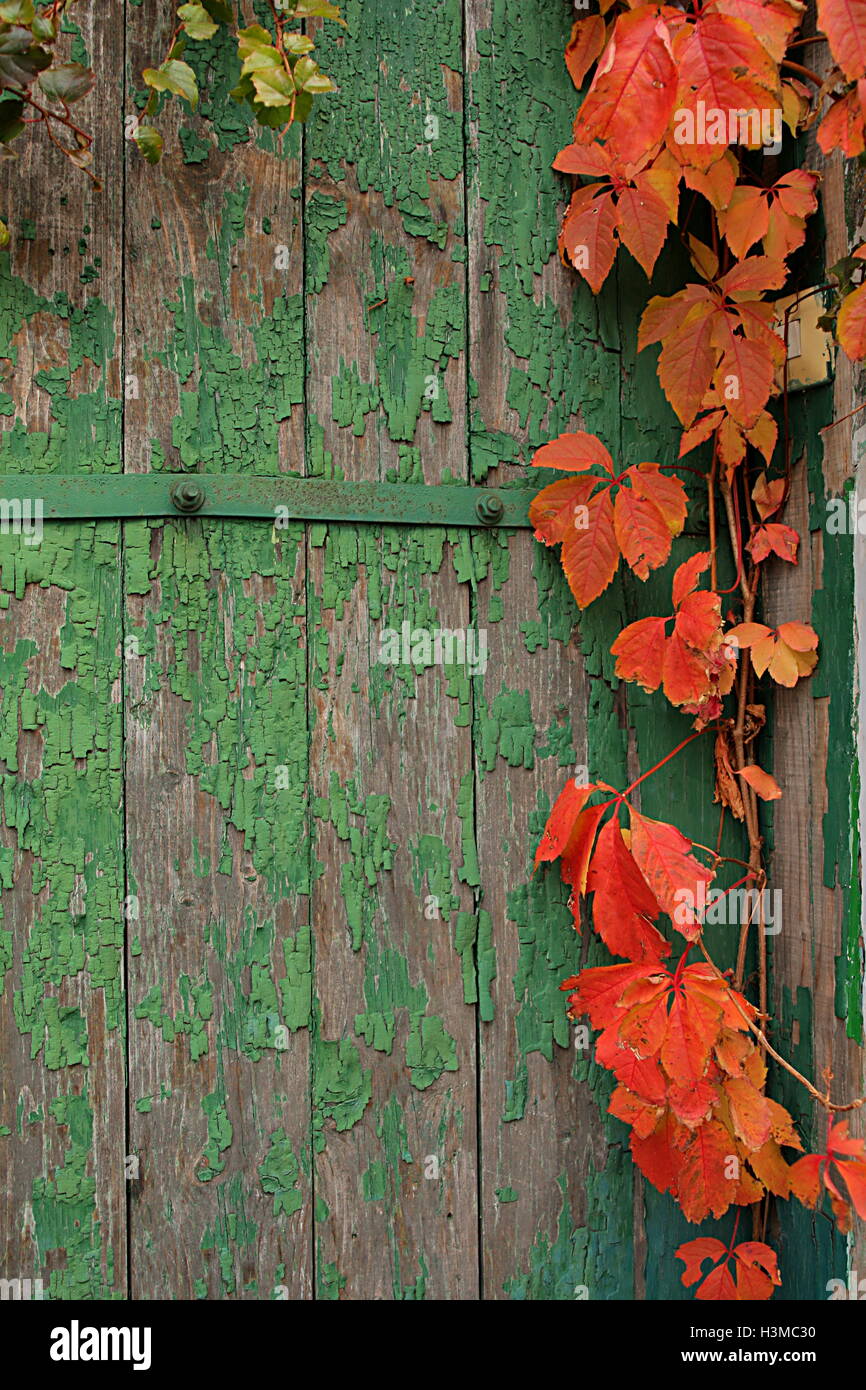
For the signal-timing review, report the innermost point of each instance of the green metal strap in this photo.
(113, 496)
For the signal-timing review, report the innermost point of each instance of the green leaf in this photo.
(175, 77)
(20, 58)
(196, 21)
(309, 79)
(4, 234)
(318, 83)
(303, 106)
(17, 11)
(10, 119)
(304, 69)
(298, 43)
(44, 28)
(252, 39)
(244, 91)
(318, 9)
(260, 59)
(273, 86)
(149, 142)
(220, 11)
(66, 82)
(275, 117)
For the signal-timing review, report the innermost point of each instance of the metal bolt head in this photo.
(187, 496)
(490, 509)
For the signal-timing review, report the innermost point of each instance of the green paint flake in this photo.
(279, 1174)
(64, 1212)
(220, 1134)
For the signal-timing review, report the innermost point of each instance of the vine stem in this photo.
(822, 1097)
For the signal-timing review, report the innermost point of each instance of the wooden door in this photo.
(281, 1014)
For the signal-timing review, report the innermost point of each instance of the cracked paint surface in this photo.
(314, 961)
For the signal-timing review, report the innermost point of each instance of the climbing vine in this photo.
(682, 101)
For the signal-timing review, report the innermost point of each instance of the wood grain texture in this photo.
(239, 778)
(547, 1173)
(394, 1072)
(216, 756)
(62, 1101)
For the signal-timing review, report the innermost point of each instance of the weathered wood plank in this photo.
(556, 1196)
(394, 1061)
(62, 1103)
(219, 966)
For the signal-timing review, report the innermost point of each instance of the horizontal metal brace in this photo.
(278, 499)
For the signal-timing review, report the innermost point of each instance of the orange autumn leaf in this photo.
(841, 1170)
(768, 496)
(766, 787)
(584, 47)
(683, 663)
(753, 1276)
(574, 452)
(632, 206)
(851, 325)
(786, 652)
(774, 539)
(675, 877)
(775, 216)
(597, 518)
(632, 94)
(844, 126)
(844, 23)
(717, 335)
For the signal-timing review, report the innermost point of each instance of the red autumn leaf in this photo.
(587, 238)
(773, 22)
(705, 1183)
(594, 530)
(584, 46)
(576, 452)
(575, 862)
(623, 908)
(845, 1162)
(562, 820)
(844, 126)
(658, 1156)
(634, 88)
(641, 1114)
(774, 539)
(641, 1075)
(768, 496)
(682, 662)
(775, 215)
(755, 1270)
(721, 67)
(851, 324)
(661, 852)
(844, 23)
